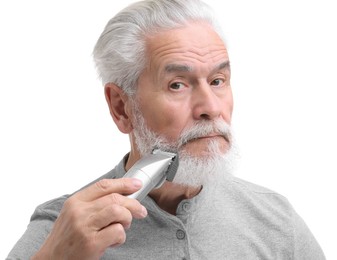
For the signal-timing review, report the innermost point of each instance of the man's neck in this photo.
(169, 195)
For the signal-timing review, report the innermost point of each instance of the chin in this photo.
(202, 167)
(210, 150)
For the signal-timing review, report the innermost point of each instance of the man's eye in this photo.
(217, 82)
(177, 85)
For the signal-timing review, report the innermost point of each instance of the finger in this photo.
(111, 214)
(136, 209)
(107, 186)
(112, 235)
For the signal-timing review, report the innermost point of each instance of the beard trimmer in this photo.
(153, 170)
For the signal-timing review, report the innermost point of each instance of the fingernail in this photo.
(137, 183)
(126, 227)
(143, 212)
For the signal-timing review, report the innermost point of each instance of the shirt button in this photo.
(180, 234)
(186, 206)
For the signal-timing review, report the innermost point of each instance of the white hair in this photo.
(120, 52)
(194, 170)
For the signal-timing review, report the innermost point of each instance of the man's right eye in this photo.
(177, 85)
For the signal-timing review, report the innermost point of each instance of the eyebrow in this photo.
(171, 68)
(223, 65)
(177, 68)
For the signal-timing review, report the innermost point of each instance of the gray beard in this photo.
(193, 171)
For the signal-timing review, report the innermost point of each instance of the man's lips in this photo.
(210, 136)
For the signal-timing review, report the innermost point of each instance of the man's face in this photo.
(186, 82)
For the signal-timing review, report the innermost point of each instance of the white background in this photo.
(56, 134)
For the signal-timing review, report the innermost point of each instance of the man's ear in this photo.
(119, 106)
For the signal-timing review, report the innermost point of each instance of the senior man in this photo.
(166, 72)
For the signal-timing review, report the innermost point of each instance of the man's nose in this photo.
(206, 103)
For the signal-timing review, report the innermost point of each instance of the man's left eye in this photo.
(217, 82)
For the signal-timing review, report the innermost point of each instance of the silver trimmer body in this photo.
(153, 170)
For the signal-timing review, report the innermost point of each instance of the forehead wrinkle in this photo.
(181, 63)
(210, 55)
(207, 50)
(180, 47)
(179, 55)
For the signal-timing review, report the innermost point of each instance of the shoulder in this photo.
(252, 187)
(253, 191)
(272, 209)
(51, 209)
(260, 204)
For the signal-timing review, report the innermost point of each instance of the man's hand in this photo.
(92, 220)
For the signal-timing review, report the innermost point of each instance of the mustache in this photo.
(203, 129)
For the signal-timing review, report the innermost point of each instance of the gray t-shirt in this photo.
(233, 220)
